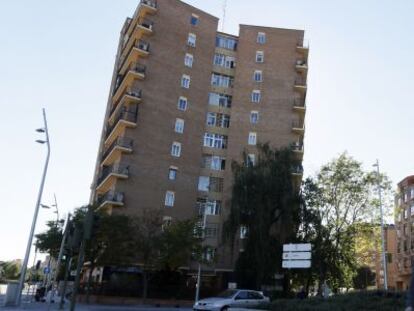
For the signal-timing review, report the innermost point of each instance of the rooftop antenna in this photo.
(224, 15)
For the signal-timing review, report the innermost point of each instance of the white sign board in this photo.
(297, 247)
(297, 256)
(292, 264)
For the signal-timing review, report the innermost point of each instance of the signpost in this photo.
(297, 256)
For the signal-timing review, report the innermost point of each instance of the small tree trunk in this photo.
(88, 286)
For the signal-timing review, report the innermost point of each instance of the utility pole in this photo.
(37, 207)
(198, 285)
(384, 258)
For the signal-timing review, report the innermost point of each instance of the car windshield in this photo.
(227, 294)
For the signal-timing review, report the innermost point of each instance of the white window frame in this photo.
(179, 125)
(203, 183)
(254, 113)
(261, 37)
(258, 94)
(252, 139)
(176, 149)
(216, 163)
(188, 60)
(185, 81)
(258, 76)
(182, 99)
(192, 40)
(259, 57)
(169, 198)
(171, 170)
(251, 159)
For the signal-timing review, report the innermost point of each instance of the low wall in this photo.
(108, 300)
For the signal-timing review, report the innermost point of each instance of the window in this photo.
(405, 196)
(258, 76)
(172, 173)
(166, 222)
(412, 193)
(214, 162)
(254, 117)
(221, 100)
(261, 38)
(182, 103)
(243, 232)
(412, 210)
(215, 141)
(209, 254)
(256, 96)
(185, 81)
(192, 38)
(252, 138)
(226, 43)
(221, 80)
(176, 149)
(259, 57)
(211, 231)
(194, 20)
(208, 207)
(405, 213)
(169, 198)
(188, 60)
(216, 184)
(179, 126)
(203, 183)
(224, 61)
(251, 160)
(218, 119)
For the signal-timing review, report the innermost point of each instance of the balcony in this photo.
(114, 151)
(299, 105)
(109, 175)
(143, 27)
(297, 171)
(135, 72)
(297, 148)
(147, 7)
(126, 118)
(300, 85)
(109, 199)
(298, 127)
(301, 48)
(301, 66)
(139, 48)
(130, 97)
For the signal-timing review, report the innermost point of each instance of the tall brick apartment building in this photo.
(404, 201)
(185, 101)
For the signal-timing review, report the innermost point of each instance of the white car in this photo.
(232, 298)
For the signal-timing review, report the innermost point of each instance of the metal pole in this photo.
(62, 246)
(57, 210)
(39, 198)
(384, 259)
(198, 285)
(65, 282)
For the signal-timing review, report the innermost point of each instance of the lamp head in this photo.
(40, 141)
(45, 206)
(40, 130)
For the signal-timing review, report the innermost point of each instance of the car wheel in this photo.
(225, 309)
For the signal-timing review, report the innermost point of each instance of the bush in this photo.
(353, 301)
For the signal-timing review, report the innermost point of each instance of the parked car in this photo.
(232, 298)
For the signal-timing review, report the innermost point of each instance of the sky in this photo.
(60, 54)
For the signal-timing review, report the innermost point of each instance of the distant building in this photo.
(185, 101)
(404, 219)
(390, 234)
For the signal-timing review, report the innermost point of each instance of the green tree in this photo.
(9, 270)
(342, 196)
(363, 278)
(50, 240)
(265, 203)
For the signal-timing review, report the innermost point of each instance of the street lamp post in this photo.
(198, 285)
(384, 259)
(39, 198)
